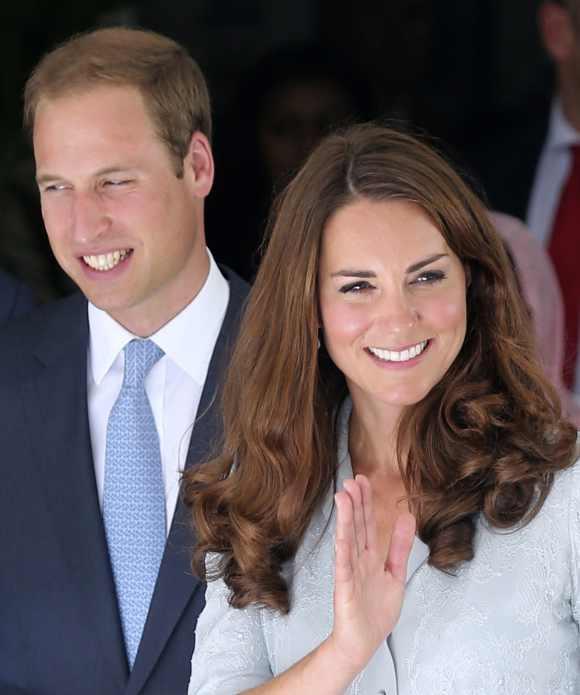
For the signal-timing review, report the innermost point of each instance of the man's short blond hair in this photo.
(169, 80)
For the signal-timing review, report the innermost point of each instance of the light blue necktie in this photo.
(134, 498)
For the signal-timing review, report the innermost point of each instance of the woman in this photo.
(425, 390)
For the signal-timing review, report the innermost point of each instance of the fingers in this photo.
(400, 548)
(353, 488)
(344, 538)
(368, 512)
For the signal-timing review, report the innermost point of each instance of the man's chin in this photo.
(111, 302)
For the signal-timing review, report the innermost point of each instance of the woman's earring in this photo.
(318, 343)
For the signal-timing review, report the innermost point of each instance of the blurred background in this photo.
(471, 74)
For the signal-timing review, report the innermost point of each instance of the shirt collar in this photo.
(189, 339)
(200, 320)
(107, 339)
(561, 134)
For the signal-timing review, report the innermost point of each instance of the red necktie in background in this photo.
(564, 249)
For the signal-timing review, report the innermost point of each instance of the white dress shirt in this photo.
(174, 385)
(551, 176)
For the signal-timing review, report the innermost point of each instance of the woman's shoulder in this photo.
(561, 509)
(554, 526)
(566, 484)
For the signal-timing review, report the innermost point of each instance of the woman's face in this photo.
(392, 299)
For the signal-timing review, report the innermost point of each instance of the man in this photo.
(107, 395)
(530, 172)
(15, 298)
(554, 204)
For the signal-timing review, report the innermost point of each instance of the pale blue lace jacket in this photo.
(506, 624)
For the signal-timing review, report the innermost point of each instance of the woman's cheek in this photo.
(446, 312)
(344, 323)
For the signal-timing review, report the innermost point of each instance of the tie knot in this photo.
(575, 152)
(140, 356)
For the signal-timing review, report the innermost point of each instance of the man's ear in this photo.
(557, 31)
(198, 165)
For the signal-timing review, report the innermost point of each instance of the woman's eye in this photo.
(355, 287)
(429, 277)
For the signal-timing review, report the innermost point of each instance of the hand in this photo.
(369, 585)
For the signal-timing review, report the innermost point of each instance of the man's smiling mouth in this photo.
(107, 261)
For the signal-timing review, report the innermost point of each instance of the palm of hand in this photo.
(369, 588)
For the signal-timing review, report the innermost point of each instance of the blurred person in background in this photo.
(285, 104)
(530, 166)
(541, 291)
(554, 203)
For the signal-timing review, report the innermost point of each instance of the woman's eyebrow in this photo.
(348, 273)
(424, 262)
(352, 273)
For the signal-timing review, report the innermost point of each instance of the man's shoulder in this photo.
(239, 290)
(504, 159)
(15, 297)
(53, 321)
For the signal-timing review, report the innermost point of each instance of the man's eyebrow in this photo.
(106, 171)
(45, 178)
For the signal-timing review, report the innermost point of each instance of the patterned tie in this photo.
(134, 498)
(564, 248)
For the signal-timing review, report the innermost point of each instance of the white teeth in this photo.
(106, 261)
(396, 356)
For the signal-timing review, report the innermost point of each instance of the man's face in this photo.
(120, 222)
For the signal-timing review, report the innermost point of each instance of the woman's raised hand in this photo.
(369, 583)
(368, 595)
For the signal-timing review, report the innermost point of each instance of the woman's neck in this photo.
(373, 441)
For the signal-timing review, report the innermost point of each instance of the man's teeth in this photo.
(106, 261)
(396, 356)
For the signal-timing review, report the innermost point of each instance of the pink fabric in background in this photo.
(541, 290)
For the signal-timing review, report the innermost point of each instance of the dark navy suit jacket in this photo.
(60, 631)
(506, 158)
(15, 298)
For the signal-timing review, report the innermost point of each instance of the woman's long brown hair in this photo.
(487, 439)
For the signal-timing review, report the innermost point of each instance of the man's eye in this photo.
(54, 187)
(429, 277)
(116, 182)
(355, 287)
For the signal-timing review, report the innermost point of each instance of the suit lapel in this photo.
(176, 583)
(56, 403)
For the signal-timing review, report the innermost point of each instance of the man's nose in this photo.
(90, 218)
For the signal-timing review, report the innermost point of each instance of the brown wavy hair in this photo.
(487, 439)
